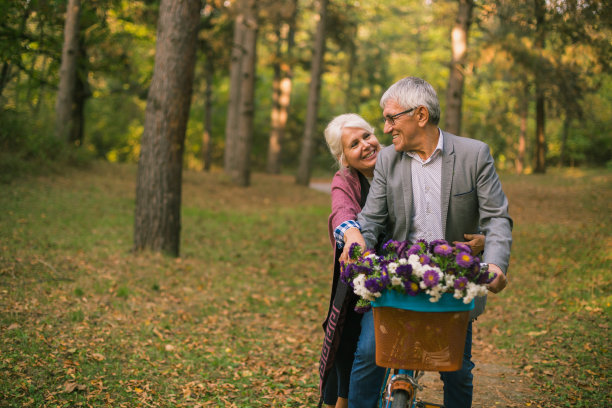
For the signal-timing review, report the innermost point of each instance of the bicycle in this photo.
(414, 335)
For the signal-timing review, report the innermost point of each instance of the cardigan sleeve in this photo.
(345, 196)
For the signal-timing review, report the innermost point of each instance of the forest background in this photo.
(102, 98)
(534, 72)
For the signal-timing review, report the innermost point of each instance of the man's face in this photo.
(403, 128)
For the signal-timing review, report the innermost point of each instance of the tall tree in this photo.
(241, 109)
(215, 34)
(540, 151)
(281, 83)
(456, 79)
(157, 221)
(305, 163)
(64, 105)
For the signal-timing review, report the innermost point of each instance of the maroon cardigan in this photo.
(345, 198)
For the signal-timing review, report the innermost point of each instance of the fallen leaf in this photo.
(72, 386)
(98, 357)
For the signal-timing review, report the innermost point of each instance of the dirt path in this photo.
(496, 383)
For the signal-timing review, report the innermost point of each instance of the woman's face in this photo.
(360, 148)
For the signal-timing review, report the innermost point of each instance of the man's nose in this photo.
(388, 127)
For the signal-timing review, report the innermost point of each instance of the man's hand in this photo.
(500, 281)
(351, 236)
(474, 241)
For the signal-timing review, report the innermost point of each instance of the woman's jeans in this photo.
(367, 377)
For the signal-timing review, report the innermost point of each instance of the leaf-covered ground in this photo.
(235, 321)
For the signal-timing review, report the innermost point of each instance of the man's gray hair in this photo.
(333, 132)
(411, 92)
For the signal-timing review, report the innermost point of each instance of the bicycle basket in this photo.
(413, 333)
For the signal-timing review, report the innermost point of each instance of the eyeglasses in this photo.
(391, 118)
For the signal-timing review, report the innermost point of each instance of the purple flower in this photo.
(363, 309)
(390, 246)
(404, 270)
(354, 251)
(401, 249)
(385, 280)
(464, 259)
(443, 249)
(373, 285)
(451, 270)
(346, 272)
(431, 278)
(414, 250)
(463, 248)
(424, 259)
(486, 278)
(412, 288)
(461, 283)
(436, 243)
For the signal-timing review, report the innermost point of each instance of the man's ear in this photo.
(422, 115)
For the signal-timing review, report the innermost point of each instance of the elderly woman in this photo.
(352, 143)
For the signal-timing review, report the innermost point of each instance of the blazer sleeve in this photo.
(495, 220)
(373, 218)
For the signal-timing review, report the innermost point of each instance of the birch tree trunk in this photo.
(305, 163)
(456, 79)
(64, 103)
(157, 221)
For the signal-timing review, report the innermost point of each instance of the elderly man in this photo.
(429, 185)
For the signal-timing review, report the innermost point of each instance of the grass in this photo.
(235, 321)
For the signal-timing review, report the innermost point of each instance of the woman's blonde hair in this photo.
(333, 132)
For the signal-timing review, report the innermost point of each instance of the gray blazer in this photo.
(471, 193)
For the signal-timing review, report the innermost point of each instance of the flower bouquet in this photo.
(422, 294)
(432, 268)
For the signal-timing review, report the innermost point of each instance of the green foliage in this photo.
(370, 45)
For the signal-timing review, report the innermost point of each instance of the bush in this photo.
(26, 148)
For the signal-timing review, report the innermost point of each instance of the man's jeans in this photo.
(367, 377)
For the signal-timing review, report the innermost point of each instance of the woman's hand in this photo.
(351, 236)
(474, 241)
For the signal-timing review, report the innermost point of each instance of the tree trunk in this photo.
(231, 125)
(540, 167)
(82, 92)
(459, 42)
(564, 136)
(241, 173)
(207, 136)
(520, 153)
(64, 105)
(241, 110)
(281, 91)
(157, 220)
(305, 164)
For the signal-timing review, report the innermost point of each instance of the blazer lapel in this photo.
(406, 163)
(448, 165)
